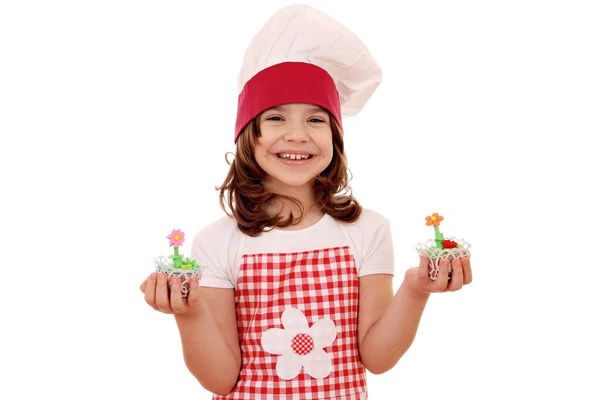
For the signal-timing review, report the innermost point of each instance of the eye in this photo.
(316, 120)
(274, 118)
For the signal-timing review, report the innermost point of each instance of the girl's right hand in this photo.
(156, 293)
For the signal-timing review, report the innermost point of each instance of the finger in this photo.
(423, 273)
(456, 282)
(194, 293)
(468, 272)
(144, 284)
(177, 304)
(150, 291)
(162, 294)
(441, 282)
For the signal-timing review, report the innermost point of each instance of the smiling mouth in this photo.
(288, 156)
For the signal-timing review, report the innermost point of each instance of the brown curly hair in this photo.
(243, 196)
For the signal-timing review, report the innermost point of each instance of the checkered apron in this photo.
(318, 285)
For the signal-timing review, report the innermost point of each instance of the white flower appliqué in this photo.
(300, 346)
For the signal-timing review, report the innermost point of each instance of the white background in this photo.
(115, 117)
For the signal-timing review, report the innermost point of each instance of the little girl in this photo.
(296, 299)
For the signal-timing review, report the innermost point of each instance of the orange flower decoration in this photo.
(434, 219)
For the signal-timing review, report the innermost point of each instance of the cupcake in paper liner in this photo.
(441, 247)
(177, 265)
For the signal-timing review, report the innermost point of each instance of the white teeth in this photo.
(294, 156)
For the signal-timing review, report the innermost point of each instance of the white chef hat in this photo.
(302, 55)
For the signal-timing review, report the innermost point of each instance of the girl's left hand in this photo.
(418, 277)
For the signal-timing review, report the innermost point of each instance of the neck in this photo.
(304, 194)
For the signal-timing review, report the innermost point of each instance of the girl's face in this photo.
(295, 144)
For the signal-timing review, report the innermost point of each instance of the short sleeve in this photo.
(213, 249)
(372, 243)
(378, 254)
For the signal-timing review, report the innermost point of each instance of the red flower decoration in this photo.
(449, 244)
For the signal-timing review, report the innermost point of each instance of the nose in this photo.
(296, 132)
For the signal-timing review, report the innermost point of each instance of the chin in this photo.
(295, 182)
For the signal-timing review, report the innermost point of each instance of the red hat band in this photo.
(285, 83)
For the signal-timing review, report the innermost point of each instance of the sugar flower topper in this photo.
(176, 239)
(434, 219)
(440, 242)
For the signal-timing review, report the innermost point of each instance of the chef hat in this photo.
(304, 56)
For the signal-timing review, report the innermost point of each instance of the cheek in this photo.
(261, 158)
(263, 145)
(326, 147)
(261, 149)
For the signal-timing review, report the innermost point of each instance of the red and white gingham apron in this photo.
(319, 284)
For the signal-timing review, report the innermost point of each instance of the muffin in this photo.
(441, 248)
(177, 265)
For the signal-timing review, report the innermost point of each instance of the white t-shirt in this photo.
(220, 246)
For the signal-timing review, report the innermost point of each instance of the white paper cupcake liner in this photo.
(165, 266)
(437, 255)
